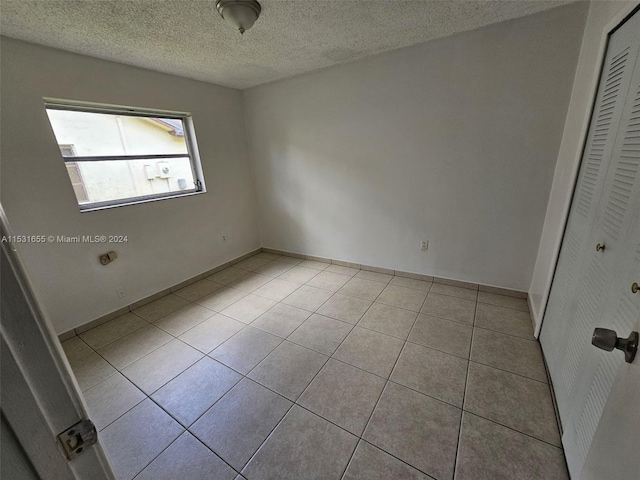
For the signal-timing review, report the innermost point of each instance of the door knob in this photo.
(634, 287)
(599, 247)
(608, 340)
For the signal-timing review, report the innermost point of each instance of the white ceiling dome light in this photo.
(240, 14)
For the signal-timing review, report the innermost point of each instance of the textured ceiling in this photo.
(188, 37)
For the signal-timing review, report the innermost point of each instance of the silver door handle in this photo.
(608, 340)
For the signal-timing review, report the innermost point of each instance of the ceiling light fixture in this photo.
(240, 14)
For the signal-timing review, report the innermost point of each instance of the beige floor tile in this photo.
(513, 401)
(371, 463)
(221, 299)
(197, 290)
(157, 309)
(450, 308)
(417, 429)
(192, 393)
(389, 320)
(506, 352)
(110, 399)
(277, 289)
(134, 346)
(239, 422)
(362, 288)
(160, 366)
(249, 308)
(504, 301)
(250, 282)
(285, 454)
(452, 291)
(307, 298)
(412, 417)
(252, 263)
(370, 351)
(329, 281)
(431, 372)
(344, 395)
(322, 334)
(75, 348)
(374, 276)
(444, 335)
(147, 430)
(111, 331)
(187, 458)
(212, 332)
(489, 450)
(504, 320)
(246, 349)
(274, 269)
(288, 369)
(344, 307)
(228, 275)
(402, 297)
(187, 317)
(314, 264)
(281, 320)
(299, 274)
(342, 270)
(411, 283)
(91, 370)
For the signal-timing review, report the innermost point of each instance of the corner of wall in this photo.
(258, 219)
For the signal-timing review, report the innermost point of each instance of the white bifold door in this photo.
(598, 264)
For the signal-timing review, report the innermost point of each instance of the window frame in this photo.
(190, 142)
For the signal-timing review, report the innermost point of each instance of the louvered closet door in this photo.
(590, 287)
(590, 372)
(569, 277)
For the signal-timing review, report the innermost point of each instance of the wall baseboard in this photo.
(416, 276)
(129, 308)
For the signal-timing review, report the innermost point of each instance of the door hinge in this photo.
(76, 439)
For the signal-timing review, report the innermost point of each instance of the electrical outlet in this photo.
(424, 245)
(121, 292)
(223, 239)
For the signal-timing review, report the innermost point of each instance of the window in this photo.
(120, 156)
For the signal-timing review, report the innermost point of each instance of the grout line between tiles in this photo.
(514, 430)
(286, 413)
(464, 396)
(387, 380)
(381, 391)
(533, 339)
(309, 384)
(186, 429)
(506, 371)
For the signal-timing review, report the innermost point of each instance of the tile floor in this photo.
(278, 368)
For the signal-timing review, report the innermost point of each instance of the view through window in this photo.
(118, 155)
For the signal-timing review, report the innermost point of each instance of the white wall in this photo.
(169, 240)
(584, 89)
(454, 141)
